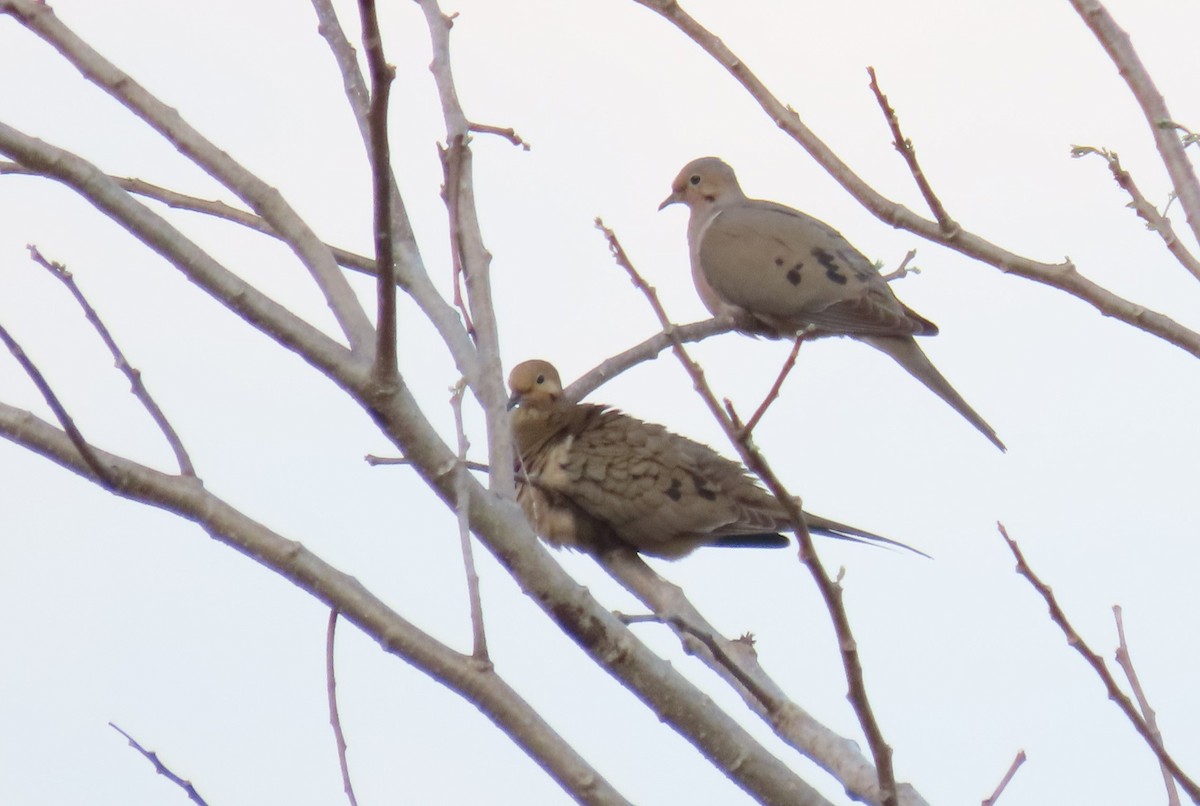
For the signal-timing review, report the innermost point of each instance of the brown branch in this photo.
(452, 157)
(1098, 665)
(831, 591)
(103, 476)
(1119, 47)
(136, 386)
(39, 18)
(773, 393)
(1008, 776)
(508, 134)
(647, 350)
(374, 460)
(1125, 661)
(334, 718)
(211, 207)
(1146, 211)
(909, 152)
(1062, 276)
(162, 769)
(480, 651)
(385, 369)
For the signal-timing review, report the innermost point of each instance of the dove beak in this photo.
(514, 400)
(674, 198)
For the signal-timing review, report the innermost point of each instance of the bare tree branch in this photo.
(480, 651)
(136, 386)
(839, 756)
(1008, 776)
(476, 260)
(89, 456)
(262, 198)
(1120, 49)
(1146, 211)
(335, 719)
(382, 75)
(909, 152)
(1063, 276)
(187, 498)
(162, 769)
(1097, 663)
(1125, 661)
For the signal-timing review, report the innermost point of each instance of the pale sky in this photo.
(118, 612)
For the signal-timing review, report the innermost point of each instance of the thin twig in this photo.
(385, 369)
(162, 769)
(830, 590)
(748, 428)
(903, 270)
(508, 134)
(452, 156)
(1125, 661)
(909, 152)
(136, 386)
(1119, 47)
(373, 460)
(334, 718)
(480, 651)
(1101, 668)
(1008, 776)
(103, 476)
(1155, 221)
(211, 207)
(647, 350)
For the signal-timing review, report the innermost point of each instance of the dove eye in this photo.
(540, 379)
(695, 180)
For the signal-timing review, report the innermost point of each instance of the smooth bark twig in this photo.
(136, 386)
(1101, 668)
(1008, 776)
(103, 476)
(385, 369)
(909, 152)
(1125, 661)
(335, 719)
(773, 393)
(161, 768)
(508, 134)
(480, 651)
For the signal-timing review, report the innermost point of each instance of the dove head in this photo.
(703, 182)
(534, 384)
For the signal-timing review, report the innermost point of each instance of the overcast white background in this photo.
(113, 611)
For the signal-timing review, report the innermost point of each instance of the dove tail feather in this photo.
(824, 526)
(905, 351)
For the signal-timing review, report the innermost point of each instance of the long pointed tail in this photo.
(905, 352)
(824, 526)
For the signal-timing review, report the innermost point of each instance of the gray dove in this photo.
(777, 271)
(592, 477)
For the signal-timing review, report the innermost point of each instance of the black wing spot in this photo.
(778, 261)
(675, 491)
(832, 270)
(793, 276)
(702, 489)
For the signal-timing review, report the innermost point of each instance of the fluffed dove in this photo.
(593, 477)
(777, 271)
